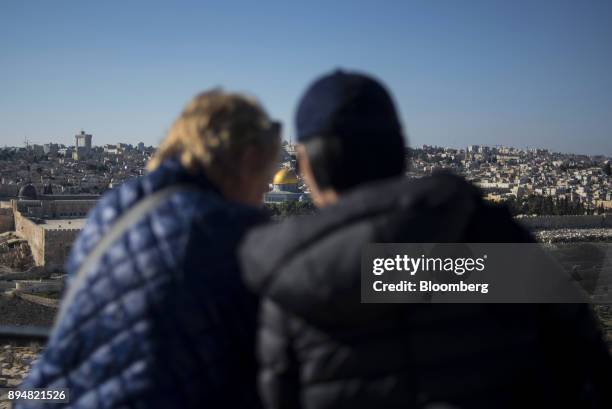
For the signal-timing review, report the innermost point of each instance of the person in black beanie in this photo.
(320, 348)
(349, 131)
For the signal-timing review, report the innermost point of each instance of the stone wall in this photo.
(37, 286)
(57, 246)
(60, 209)
(54, 209)
(7, 220)
(50, 247)
(34, 234)
(566, 222)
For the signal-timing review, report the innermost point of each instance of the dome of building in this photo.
(285, 176)
(28, 192)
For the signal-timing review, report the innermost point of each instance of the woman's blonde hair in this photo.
(215, 129)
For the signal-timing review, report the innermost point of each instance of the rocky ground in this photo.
(15, 362)
(15, 252)
(16, 359)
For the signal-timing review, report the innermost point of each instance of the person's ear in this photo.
(304, 167)
(320, 198)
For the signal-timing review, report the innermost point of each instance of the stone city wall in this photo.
(54, 209)
(50, 247)
(7, 220)
(37, 286)
(58, 243)
(60, 209)
(34, 234)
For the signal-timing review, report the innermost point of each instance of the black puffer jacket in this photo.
(319, 347)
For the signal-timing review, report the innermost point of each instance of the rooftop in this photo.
(51, 224)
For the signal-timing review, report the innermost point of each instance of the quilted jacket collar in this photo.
(172, 172)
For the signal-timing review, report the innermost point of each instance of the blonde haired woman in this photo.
(156, 315)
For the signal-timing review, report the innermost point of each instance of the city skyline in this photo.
(524, 74)
(425, 145)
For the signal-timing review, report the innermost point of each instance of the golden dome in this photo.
(285, 176)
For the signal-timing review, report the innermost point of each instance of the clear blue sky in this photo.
(521, 73)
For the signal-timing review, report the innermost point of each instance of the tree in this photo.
(547, 205)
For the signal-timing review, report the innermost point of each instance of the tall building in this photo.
(82, 146)
(83, 140)
(50, 148)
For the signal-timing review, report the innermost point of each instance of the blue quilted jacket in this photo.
(163, 319)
